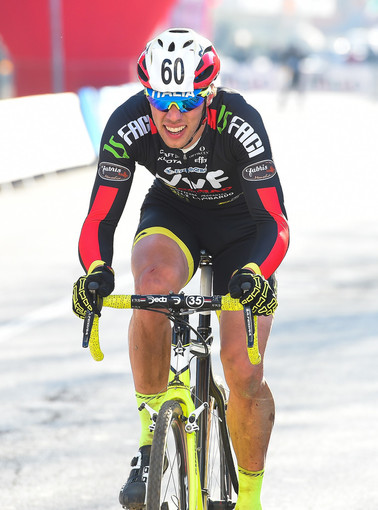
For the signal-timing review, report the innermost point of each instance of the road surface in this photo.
(69, 425)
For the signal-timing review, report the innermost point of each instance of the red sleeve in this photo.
(271, 204)
(98, 228)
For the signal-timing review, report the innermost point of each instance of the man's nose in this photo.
(174, 114)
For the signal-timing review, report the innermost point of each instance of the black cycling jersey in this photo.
(230, 166)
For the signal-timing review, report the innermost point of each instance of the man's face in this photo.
(177, 128)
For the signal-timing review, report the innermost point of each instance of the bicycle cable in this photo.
(176, 319)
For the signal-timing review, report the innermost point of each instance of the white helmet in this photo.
(178, 60)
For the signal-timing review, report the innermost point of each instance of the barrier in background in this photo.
(42, 134)
(98, 104)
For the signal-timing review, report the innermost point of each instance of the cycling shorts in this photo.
(227, 233)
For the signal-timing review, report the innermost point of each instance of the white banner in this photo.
(42, 134)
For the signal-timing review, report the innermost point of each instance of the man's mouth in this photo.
(174, 130)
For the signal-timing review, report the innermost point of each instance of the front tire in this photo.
(168, 480)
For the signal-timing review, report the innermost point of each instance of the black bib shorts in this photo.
(227, 233)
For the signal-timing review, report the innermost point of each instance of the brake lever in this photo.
(251, 329)
(248, 317)
(87, 327)
(89, 315)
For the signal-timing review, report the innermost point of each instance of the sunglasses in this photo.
(164, 101)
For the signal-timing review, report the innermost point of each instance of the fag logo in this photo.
(247, 136)
(135, 129)
(260, 171)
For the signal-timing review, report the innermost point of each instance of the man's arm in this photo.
(265, 203)
(97, 234)
(109, 195)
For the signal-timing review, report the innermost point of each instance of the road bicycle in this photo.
(192, 465)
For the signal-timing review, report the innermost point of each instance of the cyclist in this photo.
(216, 188)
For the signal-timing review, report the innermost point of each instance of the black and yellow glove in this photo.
(82, 298)
(260, 296)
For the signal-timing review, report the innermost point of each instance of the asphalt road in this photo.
(69, 426)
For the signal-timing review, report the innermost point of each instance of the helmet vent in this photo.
(204, 75)
(171, 47)
(188, 43)
(141, 73)
(160, 42)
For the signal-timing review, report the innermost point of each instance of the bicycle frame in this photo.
(179, 389)
(204, 371)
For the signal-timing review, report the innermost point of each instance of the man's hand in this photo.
(82, 298)
(260, 296)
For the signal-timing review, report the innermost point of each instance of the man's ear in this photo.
(211, 96)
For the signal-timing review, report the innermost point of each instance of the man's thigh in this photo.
(161, 225)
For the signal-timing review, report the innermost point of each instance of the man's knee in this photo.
(157, 278)
(158, 265)
(242, 378)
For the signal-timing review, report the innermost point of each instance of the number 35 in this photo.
(172, 70)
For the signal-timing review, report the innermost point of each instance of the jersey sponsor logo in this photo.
(246, 135)
(200, 156)
(259, 171)
(225, 194)
(116, 148)
(112, 172)
(223, 116)
(191, 169)
(135, 129)
(169, 157)
(214, 178)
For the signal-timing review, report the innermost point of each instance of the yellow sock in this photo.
(154, 401)
(250, 483)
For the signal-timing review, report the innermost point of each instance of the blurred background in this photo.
(68, 426)
(60, 45)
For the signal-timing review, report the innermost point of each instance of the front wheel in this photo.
(168, 480)
(222, 476)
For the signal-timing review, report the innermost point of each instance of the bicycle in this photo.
(191, 463)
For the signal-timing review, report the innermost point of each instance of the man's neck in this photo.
(187, 149)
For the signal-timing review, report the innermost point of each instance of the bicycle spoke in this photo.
(170, 481)
(220, 457)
